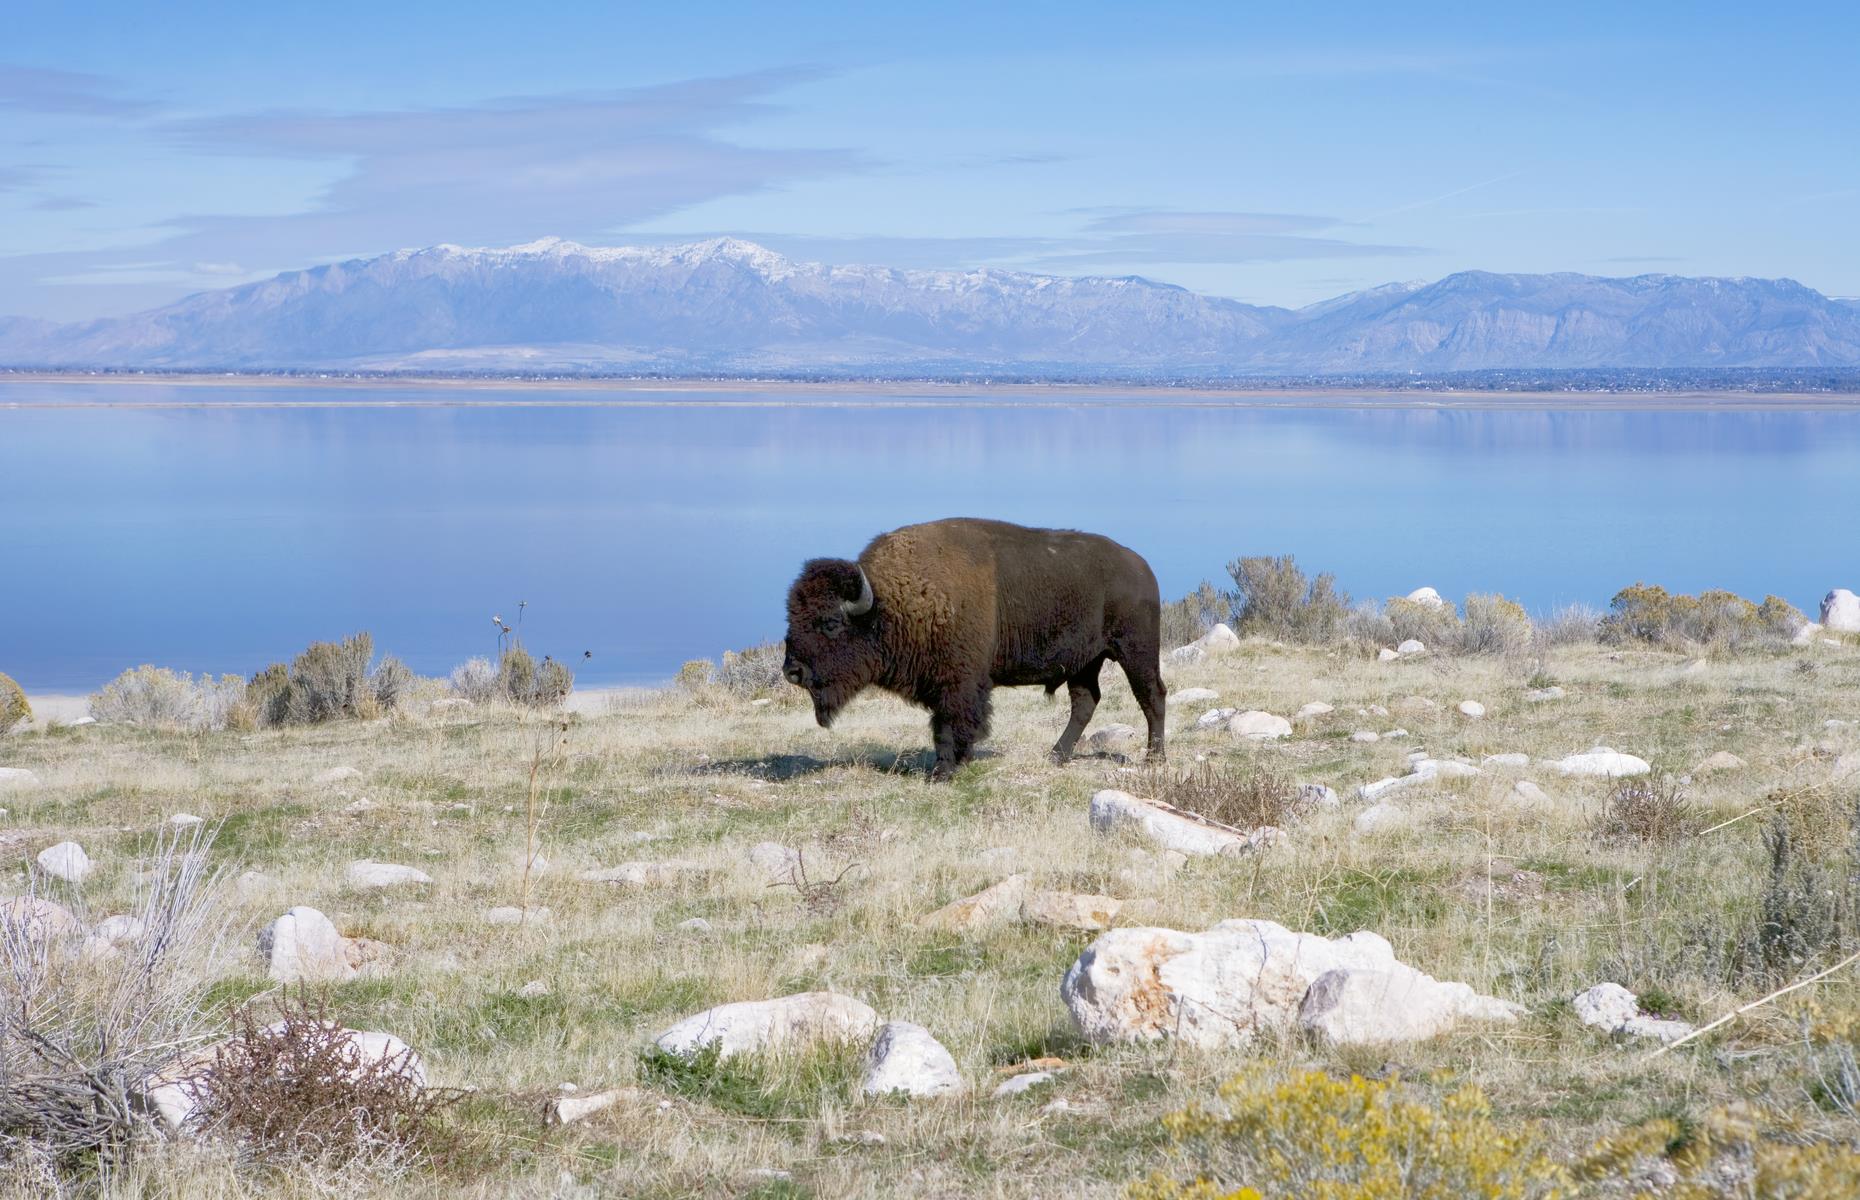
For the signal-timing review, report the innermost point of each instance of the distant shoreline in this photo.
(783, 393)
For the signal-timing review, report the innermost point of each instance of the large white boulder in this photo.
(788, 1022)
(1603, 762)
(1216, 641)
(1613, 1009)
(66, 861)
(1220, 988)
(1259, 726)
(17, 777)
(302, 946)
(364, 873)
(906, 1058)
(1114, 810)
(1840, 611)
(1427, 596)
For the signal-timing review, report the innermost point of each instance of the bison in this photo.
(942, 613)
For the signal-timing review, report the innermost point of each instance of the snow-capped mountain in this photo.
(728, 305)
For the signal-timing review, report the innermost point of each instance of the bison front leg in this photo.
(955, 726)
(1082, 686)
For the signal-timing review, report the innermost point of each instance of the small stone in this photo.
(1365, 735)
(510, 914)
(534, 989)
(302, 946)
(66, 861)
(1024, 1082)
(695, 925)
(1317, 795)
(356, 808)
(1386, 655)
(999, 902)
(17, 777)
(905, 1059)
(1194, 695)
(571, 1108)
(1525, 790)
(1602, 761)
(1317, 708)
(1117, 739)
(1472, 709)
(1506, 760)
(365, 873)
(799, 1020)
(1540, 695)
(1068, 910)
(1259, 726)
(1395, 735)
(1215, 718)
(1723, 760)
(183, 820)
(1376, 710)
(1613, 1009)
(1378, 819)
(1411, 646)
(645, 874)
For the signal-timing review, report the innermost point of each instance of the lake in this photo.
(224, 538)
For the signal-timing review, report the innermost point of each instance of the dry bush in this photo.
(1435, 625)
(157, 698)
(1571, 625)
(1809, 908)
(749, 673)
(475, 680)
(523, 680)
(81, 1031)
(1493, 625)
(299, 1088)
(13, 706)
(1185, 620)
(1245, 797)
(1645, 809)
(1649, 613)
(1276, 600)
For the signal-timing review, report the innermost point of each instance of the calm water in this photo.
(221, 539)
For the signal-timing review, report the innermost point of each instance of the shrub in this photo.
(523, 680)
(1185, 620)
(1244, 797)
(1309, 1135)
(268, 695)
(1809, 908)
(695, 676)
(1435, 625)
(391, 683)
(746, 674)
(1368, 624)
(1643, 809)
(1649, 613)
(13, 706)
(329, 680)
(297, 1088)
(158, 698)
(475, 679)
(1493, 625)
(1572, 624)
(1277, 600)
(1731, 1152)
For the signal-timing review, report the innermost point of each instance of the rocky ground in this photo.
(1041, 961)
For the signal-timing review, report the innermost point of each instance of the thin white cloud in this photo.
(71, 93)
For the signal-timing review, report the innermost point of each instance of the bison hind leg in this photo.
(1083, 688)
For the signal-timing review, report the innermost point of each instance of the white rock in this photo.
(1613, 1009)
(1069, 910)
(1377, 710)
(1259, 726)
(337, 775)
(119, 929)
(1412, 646)
(17, 777)
(1540, 695)
(66, 861)
(303, 947)
(1316, 708)
(1194, 695)
(1365, 735)
(1317, 795)
(1386, 655)
(1395, 735)
(996, 903)
(571, 1108)
(356, 808)
(905, 1058)
(1378, 819)
(1472, 709)
(1114, 810)
(510, 914)
(1846, 766)
(792, 1021)
(533, 989)
(1424, 770)
(1806, 634)
(1218, 640)
(1025, 1081)
(1117, 739)
(34, 920)
(1723, 760)
(645, 874)
(1603, 762)
(1506, 760)
(1215, 717)
(1219, 988)
(1427, 596)
(183, 820)
(365, 873)
(79, 722)
(1525, 790)
(694, 925)
(775, 860)
(1840, 611)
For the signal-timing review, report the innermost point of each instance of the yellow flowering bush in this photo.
(1312, 1137)
(1733, 1152)
(13, 706)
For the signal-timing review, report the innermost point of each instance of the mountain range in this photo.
(729, 306)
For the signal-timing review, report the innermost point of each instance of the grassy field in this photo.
(1530, 901)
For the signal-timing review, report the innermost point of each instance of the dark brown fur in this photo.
(965, 605)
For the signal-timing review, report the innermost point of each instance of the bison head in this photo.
(833, 648)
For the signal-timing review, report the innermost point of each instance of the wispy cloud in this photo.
(1644, 258)
(73, 93)
(16, 178)
(1432, 200)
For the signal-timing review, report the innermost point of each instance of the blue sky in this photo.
(1276, 154)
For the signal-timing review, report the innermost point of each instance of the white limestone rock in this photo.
(66, 861)
(365, 873)
(1112, 810)
(1723, 760)
(1529, 792)
(775, 860)
(1259, 726)
(17, 777)
(1317, 708)
(178, 1094)
(183, 820)
(1220, 988)
(906, 1059)
(1117, 739)
(1024, 1082)
(1194, 695)
(993, 904)
(1386, 655)
(1217, 641)
(1840, 611)
(1378, 819)
(1472, 710)
(1215, 718)
(302, 946)
(645, 874)
(33, 920)
(1505, 760)
(1613, 1009)
(1069, 910)
(1603, 762)
(1427, 596)
(791, 1022)
(1544, 694)
(1411, 646)
(1365, 735)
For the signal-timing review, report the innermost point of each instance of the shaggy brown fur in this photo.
(961, 606)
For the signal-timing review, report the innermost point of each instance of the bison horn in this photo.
(863, 605)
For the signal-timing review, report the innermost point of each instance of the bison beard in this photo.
(942, 613)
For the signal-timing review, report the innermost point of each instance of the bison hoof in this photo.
(1058, 757)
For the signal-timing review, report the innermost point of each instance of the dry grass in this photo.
(703, 778)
